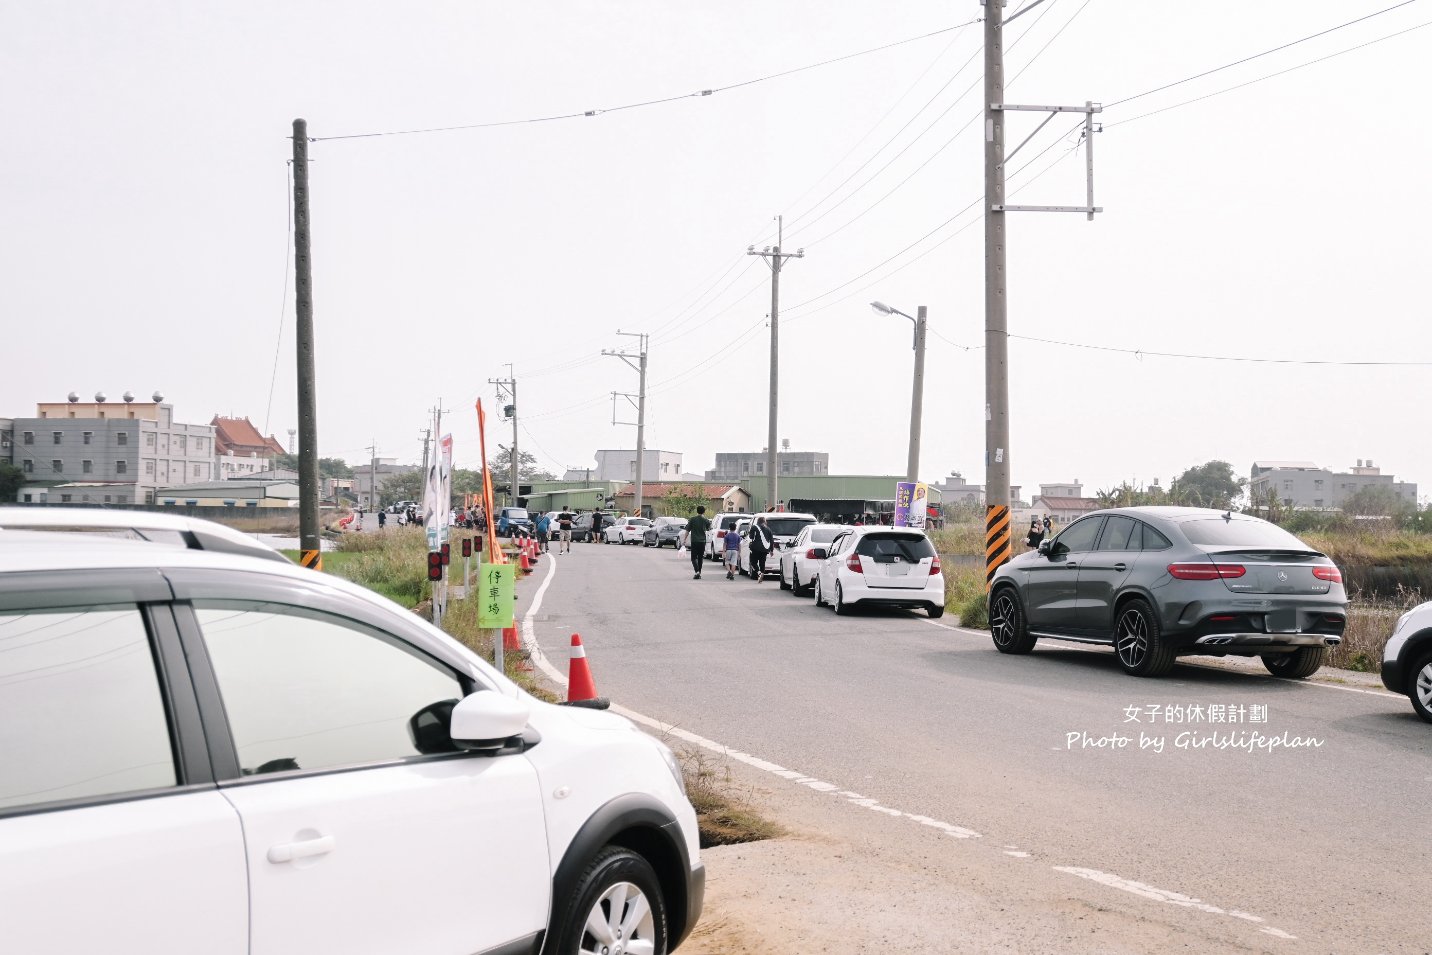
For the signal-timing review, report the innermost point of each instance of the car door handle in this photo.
(1121, 567)
(1071, 566)
(289, 851)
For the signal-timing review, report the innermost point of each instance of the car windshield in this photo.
(1217, 532)
(824, 535)
(516, 513)
(911, 547)
(787, 526)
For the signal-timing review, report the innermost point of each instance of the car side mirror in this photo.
(487, 720)
(820, 553)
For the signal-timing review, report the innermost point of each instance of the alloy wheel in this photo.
(1131, 638)
(1422, 686)
(1003, 619)
(620, 922)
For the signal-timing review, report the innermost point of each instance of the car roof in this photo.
(865, 529)
(1177, 514)
(176, 529)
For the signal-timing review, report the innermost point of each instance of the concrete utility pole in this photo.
(373, 476)
(640, 366)
(917, 397)
(775, 258)
(309, 545)
(997, 470)
(507, 391)
(427, 437)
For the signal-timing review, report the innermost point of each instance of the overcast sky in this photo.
(145, 205)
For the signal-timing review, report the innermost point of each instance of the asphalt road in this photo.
(1003, 776)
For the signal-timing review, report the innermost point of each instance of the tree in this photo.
(327, 467)
(680, 500)
(11, 478)
(1208, 485)
(527, 469)
(1375, 501)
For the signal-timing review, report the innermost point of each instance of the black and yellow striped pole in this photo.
(996, 539)
(312, 559)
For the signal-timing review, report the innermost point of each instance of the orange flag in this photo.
(495, 554)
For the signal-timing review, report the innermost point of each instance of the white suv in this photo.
(1407, 659)
(227, 754)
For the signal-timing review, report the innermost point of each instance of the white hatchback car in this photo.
(801, 560)
(304, 766)
(880, 566)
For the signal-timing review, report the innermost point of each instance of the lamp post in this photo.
(917, 397)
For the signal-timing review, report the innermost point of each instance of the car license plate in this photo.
(899, 570)
(1281, 621)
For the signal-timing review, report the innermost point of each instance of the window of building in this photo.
(149, 468)
(122, 438)
(1287, 485)
(28, 466)
(183, 444)
(303, 690)
(121, 467)
(59, 437)
(1318, 502)
(197, 471)
(65, 498)
(198, 444)
(1318, 484)
(29, 437)
(745, 467)
(106, 498)
(785, 467)
(760, 467)
(88, 437)
(87, 467)
(57, 465)
(90, 705)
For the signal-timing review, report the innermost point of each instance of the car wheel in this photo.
(1007, 626)
(617, 907)
(784, 584)
(936, 611)
(1419, 687)
(815, 589)
(1139, 642)
(1302, 662)
(796, 582)
(841, 607)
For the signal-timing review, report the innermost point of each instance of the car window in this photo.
(1117, 530)
(1152, 539)
(787, 526)
(885, 547)
(306, 690)
(823, 535)
(81, 713)
(1080, 535)
(839, 543)
(1240, 532)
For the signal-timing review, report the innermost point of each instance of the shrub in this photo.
(974, 612)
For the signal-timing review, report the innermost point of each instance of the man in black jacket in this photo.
(762, 541)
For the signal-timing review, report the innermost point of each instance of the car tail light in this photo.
(1329, 573)
(810, 554)
(1206, 571)
(1222, 618)
(853, 563)
(935, 565)
(720, 534)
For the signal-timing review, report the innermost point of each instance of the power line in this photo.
(1246, 59)
(1140, 353)
(645, 103)
(1266, 76)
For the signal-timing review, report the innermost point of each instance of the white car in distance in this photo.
(801, 561)
(625, 531)
(881, 566)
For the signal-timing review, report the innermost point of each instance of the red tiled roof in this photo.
(241, 437)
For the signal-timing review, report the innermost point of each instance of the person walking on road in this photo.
(564, 525)
(544, 531)
(732, 542)
(382, 519)
(762, 542)
(696, 530)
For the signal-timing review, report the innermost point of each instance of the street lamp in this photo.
(917, 398)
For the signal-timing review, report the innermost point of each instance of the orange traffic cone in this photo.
(509, 639)
(579, 676)
(522, 556)
(532, 551)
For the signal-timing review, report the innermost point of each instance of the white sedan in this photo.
(881, 566)
(625, 531)
(801, 560)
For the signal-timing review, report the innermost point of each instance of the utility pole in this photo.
(640, 368)
(507, 391)
(775, 258)
(917, 400)
(427, 437)
(309, 546)
(997, 470)
(373, 475)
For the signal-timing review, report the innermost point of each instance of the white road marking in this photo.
(958, 832)
(1164, 895)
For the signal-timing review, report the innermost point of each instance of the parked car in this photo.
(720, 524)
(1156, 583)
(663, 531)
(800, 561)
(308, 767)
(176, 529)
(515, 517)
(784, 526)
(1407, 659)
(626, 530)
(583, 529)
(880, 566)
